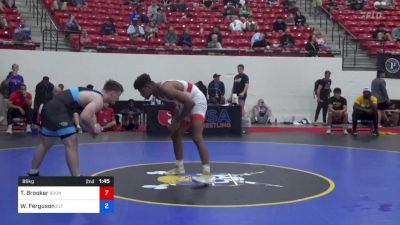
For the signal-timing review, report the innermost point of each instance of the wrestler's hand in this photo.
(174, 125)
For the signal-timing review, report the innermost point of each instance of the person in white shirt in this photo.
(256, 37)
(135, 30)
(236, 24)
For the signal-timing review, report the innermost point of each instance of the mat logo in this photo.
(164, 117)
(219, 180)
(217, 119)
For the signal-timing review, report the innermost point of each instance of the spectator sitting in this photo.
(59, 5)
(250, 25)
(214, 43)
(207, 3)
(255, 38)
(236, 25)
(14, 79)
(245, 12)
(185, 39)
(3, 22)
(320, 40)
(217, 32)
(332, 5)
(299, 19)
(365, 108)
(108, 27)
(165, 3)
(260, 113)
(287, 40)
(383, 5)
(381, 34)
(160, 17)
(393, 115)
(170, 37)
(396, 33)
(105, 118)
(179, 6)
(85, 39)
(19, 105)
(72, 25)
(152, 9)
(230, 10)
(272, 2)
(22, 32)
(356, 4)
(137, 14)
(130, 116)
(337, 111)
(293, 8)
(134, 30)
(312, 47)
(151, 30)
(79, 3)
(261, 42)
(216, 90)
(280, 25)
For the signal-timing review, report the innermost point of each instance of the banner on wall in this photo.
(390, 64)
(219, 119)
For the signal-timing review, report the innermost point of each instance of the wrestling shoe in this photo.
(175, 171)
(205, 178)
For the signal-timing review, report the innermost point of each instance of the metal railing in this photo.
(349, 44)
(205, 51)
(49, 29)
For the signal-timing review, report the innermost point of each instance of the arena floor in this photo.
(262, 178)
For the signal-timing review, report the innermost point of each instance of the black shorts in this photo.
(383, 106)
(57, 120)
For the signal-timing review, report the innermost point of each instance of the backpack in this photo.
(316, 84)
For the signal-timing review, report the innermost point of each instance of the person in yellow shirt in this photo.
(365, 108)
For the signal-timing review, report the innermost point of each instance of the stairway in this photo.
(38, 19)
(353, 57)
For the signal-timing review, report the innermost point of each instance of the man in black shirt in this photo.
(280, 25)
(43, 92)
(323, 92)
(240, 86)
(337, 111)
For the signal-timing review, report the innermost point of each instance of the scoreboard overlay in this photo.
(65, 194)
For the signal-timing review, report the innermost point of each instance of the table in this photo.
(219, 119)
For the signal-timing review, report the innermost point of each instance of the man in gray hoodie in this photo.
(378, 88)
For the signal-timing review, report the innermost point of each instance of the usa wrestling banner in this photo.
(219, 119)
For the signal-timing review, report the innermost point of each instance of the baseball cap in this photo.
(366, 89)
(216, 75)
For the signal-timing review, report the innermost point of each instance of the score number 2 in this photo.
(106, 199)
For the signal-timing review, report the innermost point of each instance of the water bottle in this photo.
(153, 101)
